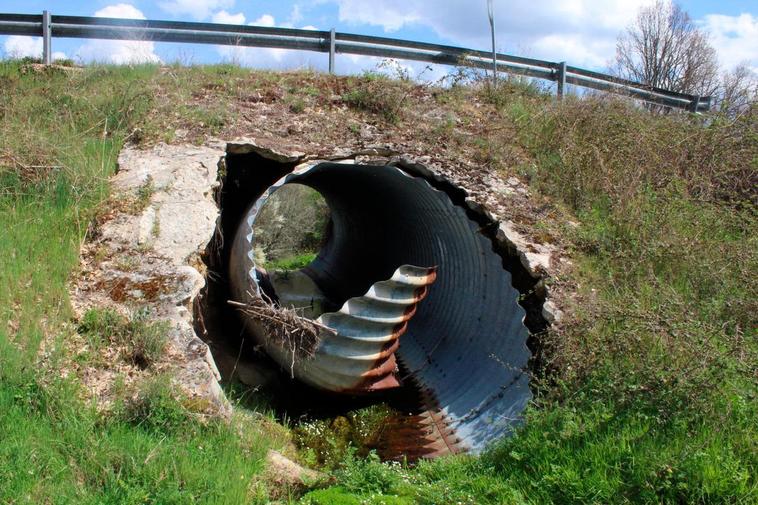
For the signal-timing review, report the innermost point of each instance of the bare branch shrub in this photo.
(738, 91)
(664, 49)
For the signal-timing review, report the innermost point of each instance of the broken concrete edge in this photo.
(138, 252)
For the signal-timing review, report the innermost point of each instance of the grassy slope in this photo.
(650, 393)
(54, 447)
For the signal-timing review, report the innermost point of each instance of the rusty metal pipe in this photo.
(464, 346)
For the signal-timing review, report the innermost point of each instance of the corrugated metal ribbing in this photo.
(359, 355)
(465, 346)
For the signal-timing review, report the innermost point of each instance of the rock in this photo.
(536, 258)
(278, 154)
(283, 471)
(550, 312)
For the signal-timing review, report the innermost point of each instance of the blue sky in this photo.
(581, 32)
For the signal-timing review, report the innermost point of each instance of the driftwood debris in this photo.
(285, 327)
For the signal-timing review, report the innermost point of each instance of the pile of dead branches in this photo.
(285, 327)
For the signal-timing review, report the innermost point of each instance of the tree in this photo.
(738, 91)
(664, 49)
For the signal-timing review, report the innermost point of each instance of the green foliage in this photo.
(143, 341)
(291, 227)
(291, 263)
(339, 496)
(328, 443)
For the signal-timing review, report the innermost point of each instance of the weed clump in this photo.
(156, 406)
(377, 94)
(142, 341)
(144, 193)
(327, 443)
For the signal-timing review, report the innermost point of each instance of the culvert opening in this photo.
(461, 361)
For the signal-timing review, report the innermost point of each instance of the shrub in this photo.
(378, 94)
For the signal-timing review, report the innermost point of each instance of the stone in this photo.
(535, 257)
(283, 471)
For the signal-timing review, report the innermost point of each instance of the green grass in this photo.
(291, 262)
(142, 341)
(588, 452)
(56, 450)
(648, 394)
(59, 139)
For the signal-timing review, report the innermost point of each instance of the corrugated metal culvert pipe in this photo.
(402, 263)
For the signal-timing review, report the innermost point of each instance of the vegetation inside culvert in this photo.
(648, 393)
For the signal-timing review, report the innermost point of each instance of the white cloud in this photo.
(126, 11)
(19, 46)
(265, 20)
(198, 9)
(228, 19)
(735, 39)
(582, 32)
(119, 52)
(262, 57)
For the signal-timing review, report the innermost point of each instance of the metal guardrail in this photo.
(332, 42)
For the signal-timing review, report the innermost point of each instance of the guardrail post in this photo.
(47, 46)
(560, 78)
(695, 103)
(332, 44)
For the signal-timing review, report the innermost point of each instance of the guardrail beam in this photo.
(316, 40)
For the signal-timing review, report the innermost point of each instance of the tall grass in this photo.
(59, 139)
